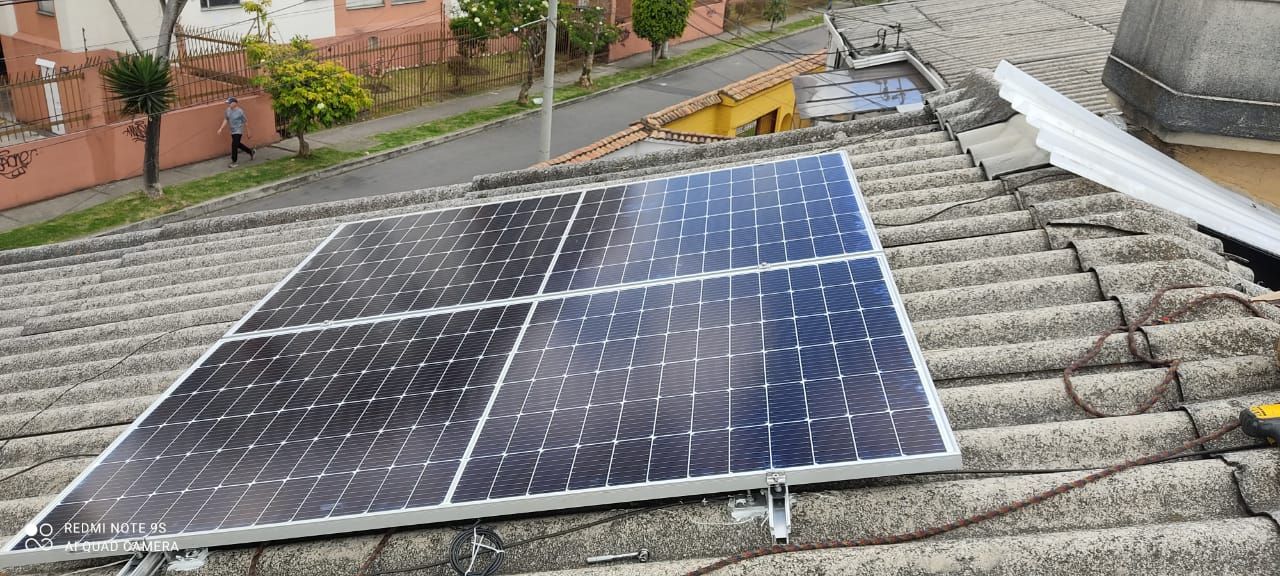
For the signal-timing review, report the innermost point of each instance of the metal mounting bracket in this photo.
(779, 498)
(154, 563)
(144, 564)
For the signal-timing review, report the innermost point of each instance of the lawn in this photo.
(136, 207)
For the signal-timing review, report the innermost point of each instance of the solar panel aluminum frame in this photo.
(446, 512)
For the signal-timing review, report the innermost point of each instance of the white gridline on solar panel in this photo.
(689, 225)
(314, 439)
(849, 413)
(456, 238)
(820, 158)
(452, 271)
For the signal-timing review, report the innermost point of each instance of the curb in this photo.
(237, 198)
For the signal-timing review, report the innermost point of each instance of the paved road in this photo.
(515, 145)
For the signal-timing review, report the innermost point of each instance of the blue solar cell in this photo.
(421, 261)
(754, 371)
(787, 210)
(227, 447)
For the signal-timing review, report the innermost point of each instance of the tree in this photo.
(169, 11)
(659, 21)
(526, 19)
(307, 94)
(775, 11)
(143, 85)
(589, 30)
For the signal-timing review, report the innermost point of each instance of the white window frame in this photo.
(222, 4)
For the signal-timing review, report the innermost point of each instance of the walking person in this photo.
(234, 118)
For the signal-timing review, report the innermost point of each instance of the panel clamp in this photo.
(779, 499)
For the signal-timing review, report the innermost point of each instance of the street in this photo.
(515, 146)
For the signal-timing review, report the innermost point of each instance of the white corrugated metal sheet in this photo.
(1081, 142)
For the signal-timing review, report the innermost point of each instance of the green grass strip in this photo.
(136, 207)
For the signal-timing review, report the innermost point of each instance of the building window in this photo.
(762, 125)
(218, 3)
(406, 1)
(363, 3)
(45, 7)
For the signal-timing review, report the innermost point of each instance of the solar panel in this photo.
(782, 211)
(421, 261)
(782, 369)
(278, 429)
(533, 355)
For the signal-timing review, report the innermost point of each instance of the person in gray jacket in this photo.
(235, 119)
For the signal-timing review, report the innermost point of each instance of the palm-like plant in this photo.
(144, 86)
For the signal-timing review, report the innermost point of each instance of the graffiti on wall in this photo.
(14, 164)
(137, 130)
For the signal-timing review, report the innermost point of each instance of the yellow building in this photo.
(760, 104)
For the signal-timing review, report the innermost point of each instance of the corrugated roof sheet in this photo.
(1006, 282)
(1063, 43)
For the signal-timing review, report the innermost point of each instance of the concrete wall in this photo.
(705, 20)
(307, 18)
(8, 21)
(387, 17)
(96, 25)
(55, 166)
(36, 28)
(1253, 174)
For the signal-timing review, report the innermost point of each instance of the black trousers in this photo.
(236, 147)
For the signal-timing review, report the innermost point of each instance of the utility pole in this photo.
(548, 79)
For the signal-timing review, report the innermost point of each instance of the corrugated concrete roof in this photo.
(1003, 290)
(1063, 43)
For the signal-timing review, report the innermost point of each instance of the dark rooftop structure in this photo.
(1199, 66)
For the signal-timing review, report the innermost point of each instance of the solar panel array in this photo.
(671, 337)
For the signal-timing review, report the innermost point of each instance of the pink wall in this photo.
(52, 167)
(705, 20)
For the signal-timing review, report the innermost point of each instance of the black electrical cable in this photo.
(467, 532)
(478, 544)
(966, 203)
(42, 463)
(526, 541)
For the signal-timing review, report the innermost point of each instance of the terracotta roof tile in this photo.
(682, 109)
(609, 144)
(738, 90)
(752, 85)
(687, 137)
(634, 133)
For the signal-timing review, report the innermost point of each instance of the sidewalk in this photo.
(355, 136)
